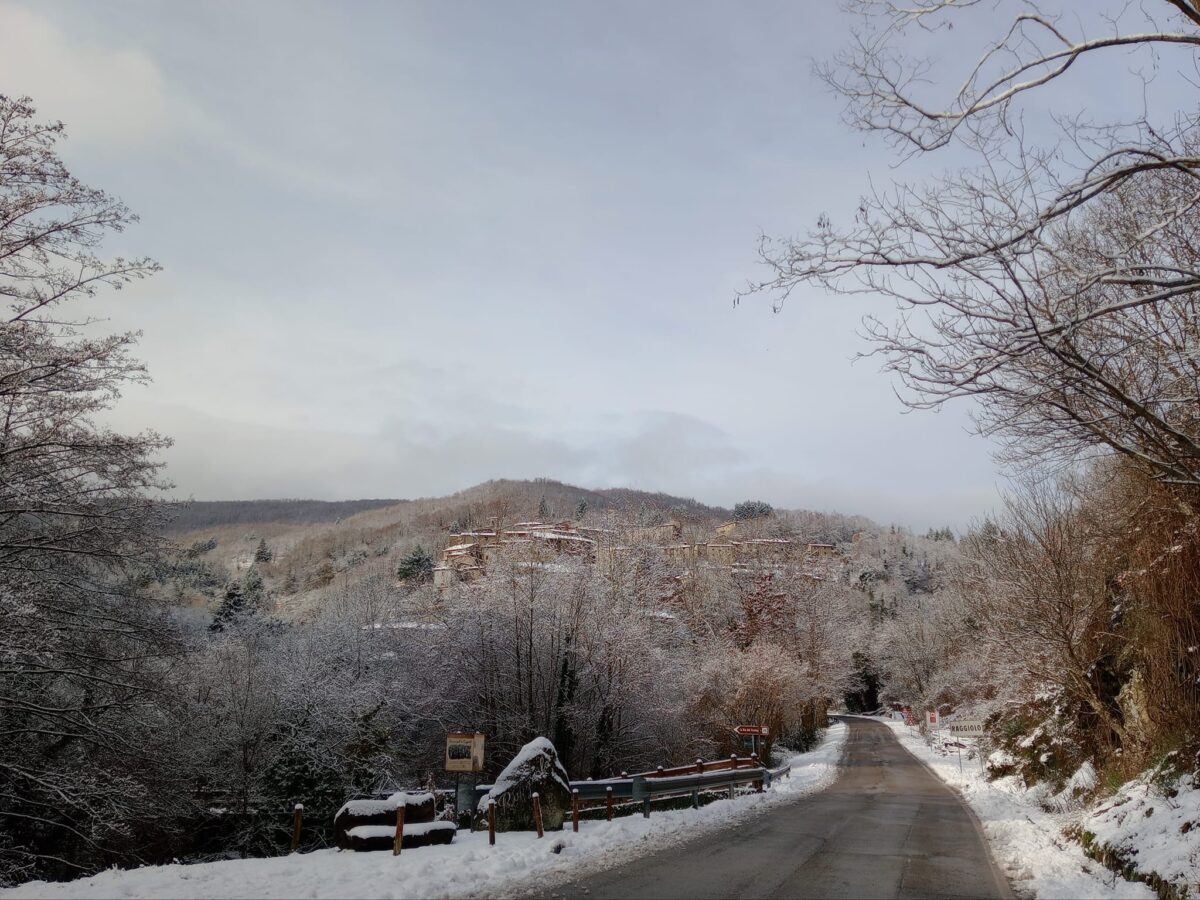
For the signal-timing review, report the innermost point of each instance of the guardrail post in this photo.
(695, 798)
(642, 792)
(491, 823)
(766, 782)
(732, 788)
(758, 785)
(575, 809)
(537, 814)
(608, 802)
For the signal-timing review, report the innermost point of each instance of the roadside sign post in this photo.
(755, 733)
(464, 755)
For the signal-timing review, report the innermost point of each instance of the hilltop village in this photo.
(734, 546)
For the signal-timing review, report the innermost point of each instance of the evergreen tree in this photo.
(254, 590)
(580, 510)
(263, 553)
(543, 509)
(199, 548)
(416, 566)
(233, 607)
(752, 509)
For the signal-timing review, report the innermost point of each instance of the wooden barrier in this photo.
(575, 809)
(537, 814)
(491, 823)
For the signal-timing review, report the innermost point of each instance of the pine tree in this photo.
(254, 590)
(263, 553)
(544, 509)
(580, 510)
(416, 566)
(752, 509)
(233, 607)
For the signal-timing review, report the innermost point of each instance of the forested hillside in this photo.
(194, 514)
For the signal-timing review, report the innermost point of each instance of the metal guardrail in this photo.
(652, 786)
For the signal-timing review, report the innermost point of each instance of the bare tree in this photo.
(1041, 588)
(1028, 279)
(79, 648)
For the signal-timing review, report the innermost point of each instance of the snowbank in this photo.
(1026, 841)
(1158, 834)
(519, 863)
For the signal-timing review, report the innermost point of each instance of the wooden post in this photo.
(537, 814)
(608, 802)
(398, 840)
(733, 760)
(699, 766)
(492, 823)
(660, 771)
(297, 818)
(575, 809)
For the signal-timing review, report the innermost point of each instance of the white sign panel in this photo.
(963, 727)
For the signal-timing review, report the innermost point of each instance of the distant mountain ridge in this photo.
(191, 515)
(502, 497)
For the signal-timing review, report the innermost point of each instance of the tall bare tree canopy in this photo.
(76, 524)
(1054, 278)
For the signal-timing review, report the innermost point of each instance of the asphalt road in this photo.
(888, 827)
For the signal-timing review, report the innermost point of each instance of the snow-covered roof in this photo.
(560, 536)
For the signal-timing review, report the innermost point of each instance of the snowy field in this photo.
(1026, 841)
(469, 867)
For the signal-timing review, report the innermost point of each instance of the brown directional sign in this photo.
(748, 730)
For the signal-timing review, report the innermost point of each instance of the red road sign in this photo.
(749, 730)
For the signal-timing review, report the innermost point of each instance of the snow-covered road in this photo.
(1026, 840)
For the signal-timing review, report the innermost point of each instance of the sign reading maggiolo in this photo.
(464, 751)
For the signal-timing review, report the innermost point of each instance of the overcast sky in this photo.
(409, 247)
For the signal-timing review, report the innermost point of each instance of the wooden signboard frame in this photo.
(464, 751)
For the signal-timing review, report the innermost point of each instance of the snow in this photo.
(387, 805)
(1155, 832)
(518, 865)
(1026, 841)
(539, 746)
